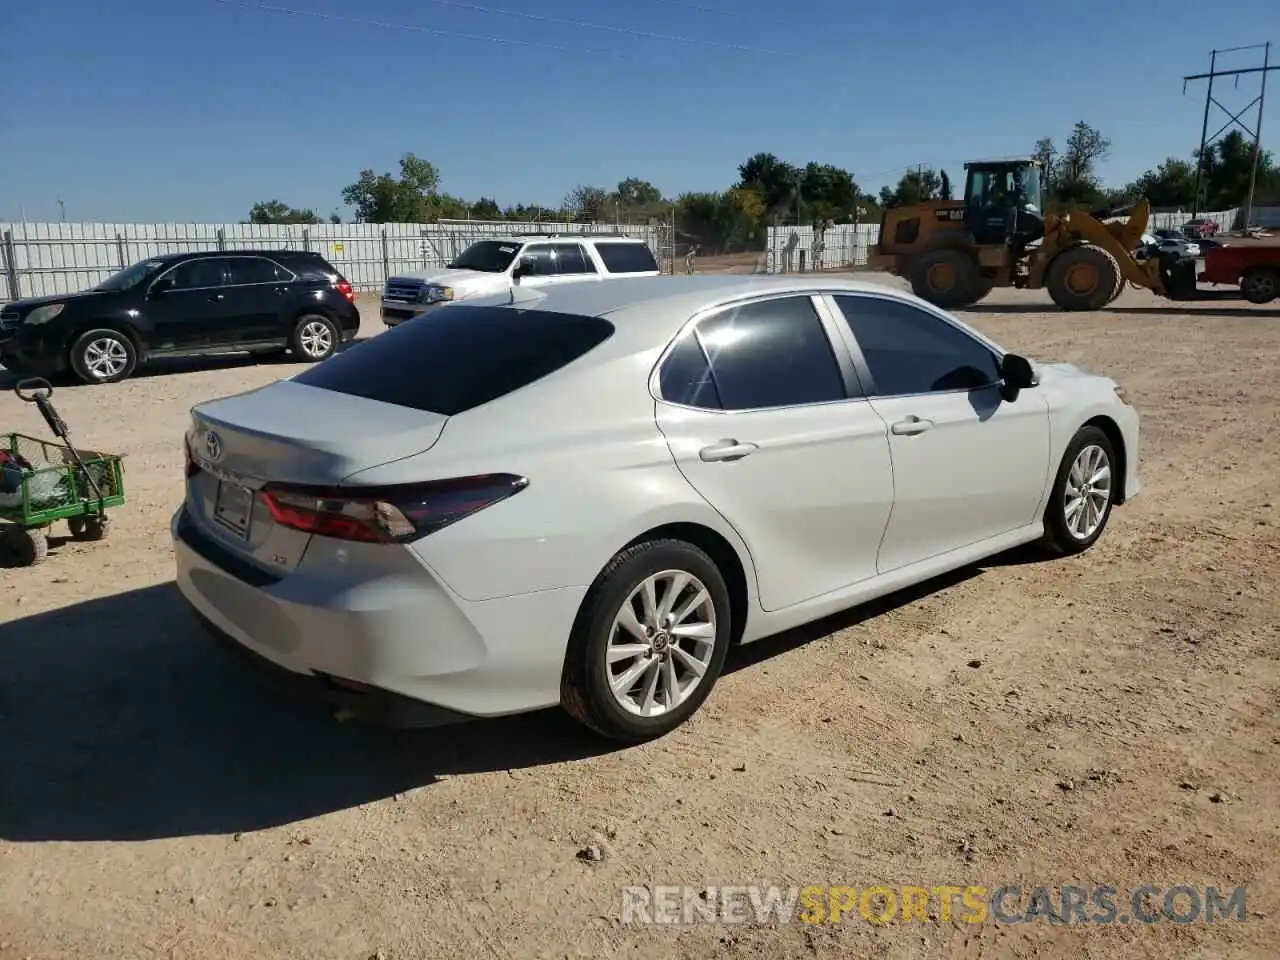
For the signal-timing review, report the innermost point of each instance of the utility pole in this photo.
(62, 210)
(1210, 100)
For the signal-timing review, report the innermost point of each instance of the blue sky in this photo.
(190, 110)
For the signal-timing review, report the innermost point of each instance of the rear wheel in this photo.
(1260, 284)
(649, 642)
(947, 278)
(314, 338)
(103, 356)
(1083, 278)
(23, 547)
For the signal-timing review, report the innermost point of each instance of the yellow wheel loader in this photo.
(955, 251)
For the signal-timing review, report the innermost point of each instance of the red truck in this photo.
(1252, 264)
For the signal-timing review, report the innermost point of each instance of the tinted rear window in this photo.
(626, 257)
(459, 358)
(312, 266)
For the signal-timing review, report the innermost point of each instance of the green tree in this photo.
(1075, 177)
(277, 211)
(1172, 184)
(1228, 165)
(587, 203)
(486, 209)
(412, 197)
(634, 193)
(915, 186)
(777, 182)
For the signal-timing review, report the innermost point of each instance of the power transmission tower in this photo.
(1255, 132)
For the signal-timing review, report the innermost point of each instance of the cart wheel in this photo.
(88, 527)
(22, 547)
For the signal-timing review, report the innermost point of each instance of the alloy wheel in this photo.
(1087, 492)
(661, 643)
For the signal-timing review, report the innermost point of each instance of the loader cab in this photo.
(1003, 202)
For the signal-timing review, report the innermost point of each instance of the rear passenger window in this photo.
(254, 270)
(911, 351)
(771, 353)
(626, 257)
(570, 259)
(685, 377)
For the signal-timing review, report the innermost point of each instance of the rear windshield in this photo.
(626, 257)
(459, 357)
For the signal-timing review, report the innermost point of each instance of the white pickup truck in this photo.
(485, 269)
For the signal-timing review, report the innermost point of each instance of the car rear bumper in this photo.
(428, 655)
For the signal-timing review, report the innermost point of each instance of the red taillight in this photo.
(386, 514)
(191, 468)
(346, 290)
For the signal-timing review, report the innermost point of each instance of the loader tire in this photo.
(947, 278)
(1083, 278)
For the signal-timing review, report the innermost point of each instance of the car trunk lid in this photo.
(287, 433)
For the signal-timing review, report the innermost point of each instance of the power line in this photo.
(476, 8)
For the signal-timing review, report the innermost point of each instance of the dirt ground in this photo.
(1106, 719)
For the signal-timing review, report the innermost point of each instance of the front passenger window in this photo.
(194, 275)
(910, 351)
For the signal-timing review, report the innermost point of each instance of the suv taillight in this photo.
(345, 288)
(397, 514)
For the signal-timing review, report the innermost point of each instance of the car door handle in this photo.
(911, 426)
(214, 298)
(723, 450)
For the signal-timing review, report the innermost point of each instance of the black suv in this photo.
(180, 304)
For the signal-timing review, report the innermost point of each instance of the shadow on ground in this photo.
(121, 720)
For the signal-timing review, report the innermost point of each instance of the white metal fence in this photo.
(46, 259)
(798, 249)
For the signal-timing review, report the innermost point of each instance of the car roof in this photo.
(566, 237)
(655, 307)
(191, 254)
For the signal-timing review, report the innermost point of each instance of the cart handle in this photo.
(33, 389)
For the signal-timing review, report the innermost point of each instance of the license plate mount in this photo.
(233, 508)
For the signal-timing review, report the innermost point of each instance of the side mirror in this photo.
(1017, 372)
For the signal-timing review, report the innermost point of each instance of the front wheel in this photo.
(103, 356)
(649, 642)
(23, 547)
(1083, 493)
(314, 338)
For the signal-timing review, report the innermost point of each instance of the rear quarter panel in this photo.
(600, 474)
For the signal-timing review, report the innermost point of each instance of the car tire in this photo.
(671, 672)
(103, 355)
(23, 547)
(88, 527)
(1068, 529)
(314, 338)
(1260, 284)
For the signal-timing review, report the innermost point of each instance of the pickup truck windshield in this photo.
(487, 256)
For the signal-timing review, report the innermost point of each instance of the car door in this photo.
(185, 304)
(572, 264)
(967, 464)
(768, 423)
(538, 265)
(256, 295)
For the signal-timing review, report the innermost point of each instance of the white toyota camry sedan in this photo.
(586, 495)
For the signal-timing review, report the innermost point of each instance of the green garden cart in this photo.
(42, 482)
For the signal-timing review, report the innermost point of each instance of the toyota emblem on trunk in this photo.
(213, 445)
